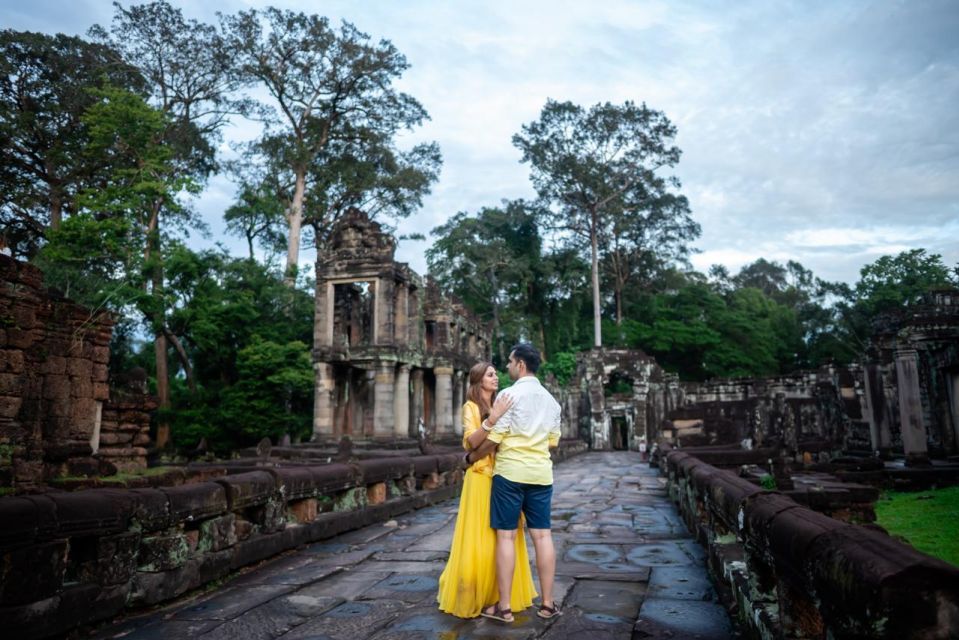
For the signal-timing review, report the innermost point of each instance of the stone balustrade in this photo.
(791, 572)
(73, 558)
(68, 559)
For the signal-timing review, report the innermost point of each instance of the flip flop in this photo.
(547, 612)
(499, 614)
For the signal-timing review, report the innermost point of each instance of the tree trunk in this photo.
(163, 389)
(184, 360)
(295, 219)
(619, 306)
(594, 246)
(159, 339)
(496, 336)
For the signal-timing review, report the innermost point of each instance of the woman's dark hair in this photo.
(528, 354)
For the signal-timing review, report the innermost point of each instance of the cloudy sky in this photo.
(823, 132)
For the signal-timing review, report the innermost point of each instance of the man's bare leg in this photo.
(545, 562)
(505, 564)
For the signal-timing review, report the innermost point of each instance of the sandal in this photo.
(499, 614)
(547, 612)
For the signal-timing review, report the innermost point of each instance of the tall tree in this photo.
(45, 84)
(639, 242)
(365, 170)
(491, 261)
(594, 165)
(324, 84)
(190, 75)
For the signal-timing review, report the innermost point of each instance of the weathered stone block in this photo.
(304, 510)
(20, 339)
(151, 587)
(101, 391)
(116, 559)
(376, 493)
(10, 406)
(295, 483)
(432, 481)
(10, 384)
(32, 573)
(79, 368)
(334, 477)
(217, 534)
(100, 373)
(81, 387)
(56, 386)
(196, 501)
(163, 552)
(243, 528)
(11, 361)
(269, 516)
(350, 500)
(93, 512)
(245, 489)
(382, 469)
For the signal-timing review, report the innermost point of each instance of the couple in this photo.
(488, 568)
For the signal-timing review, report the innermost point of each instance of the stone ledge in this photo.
(803, 573)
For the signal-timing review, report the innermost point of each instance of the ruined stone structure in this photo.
(902, 400)
(910, 381)
(57, 417)
(618, 399)
(805, 411)
(391, 353)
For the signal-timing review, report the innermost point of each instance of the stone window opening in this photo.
(353, 314)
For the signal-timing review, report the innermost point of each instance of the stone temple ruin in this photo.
(58, 414)
(390, 352)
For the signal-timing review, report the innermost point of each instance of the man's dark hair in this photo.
(528, 354)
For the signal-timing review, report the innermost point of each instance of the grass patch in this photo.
(928, 520)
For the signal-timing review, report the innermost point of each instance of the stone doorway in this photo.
(620, 432)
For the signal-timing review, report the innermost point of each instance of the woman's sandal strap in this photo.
(498, 614)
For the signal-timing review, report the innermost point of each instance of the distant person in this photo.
(523, 480)
(468, 582)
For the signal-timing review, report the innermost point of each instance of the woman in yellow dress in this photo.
(468, 582)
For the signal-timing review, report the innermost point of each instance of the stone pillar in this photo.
(384, 423)
(416, 382)
(444, 401)
(912, 423)
(458, 395)
(875, 409)
(383, 316)
(641, 432)
(401, 314)
(323, 324)
(325, 385)
(401, 402)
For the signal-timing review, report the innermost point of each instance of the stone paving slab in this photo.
(627, 568)
(683, 619)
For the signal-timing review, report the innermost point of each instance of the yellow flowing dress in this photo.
(468, 582)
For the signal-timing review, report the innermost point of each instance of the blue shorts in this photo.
(509, 498)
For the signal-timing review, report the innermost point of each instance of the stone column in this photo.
(325, 385)
(444, 400)
(401, 402)
(384, 423)
(458, 396)
(875, 409)
(416, 382)
(641, 430)
(323, 309)
(383, 317)
(911, 419)
(401, 314)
